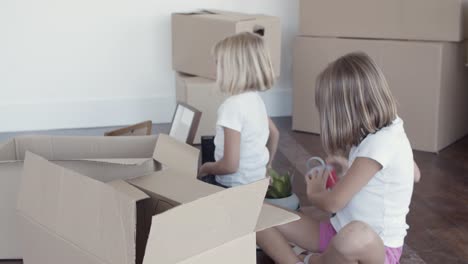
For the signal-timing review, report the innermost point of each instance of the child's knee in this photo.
(354, 238)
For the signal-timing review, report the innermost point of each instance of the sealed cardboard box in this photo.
(154, 211)
(204, 95)
(194, 36)
(121, 157)
(428, 80)
(434, 20)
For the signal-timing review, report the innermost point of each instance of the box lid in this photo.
(175, 186)
(97, 218)
(202, 224)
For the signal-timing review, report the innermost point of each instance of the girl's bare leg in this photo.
(303, 233)
(355, 243)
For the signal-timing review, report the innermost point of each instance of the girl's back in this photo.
(384, 202)
(246, 138)
(246, 113)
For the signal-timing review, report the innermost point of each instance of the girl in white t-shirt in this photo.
(246, 138)
(371, 200)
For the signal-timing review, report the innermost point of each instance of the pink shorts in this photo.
(327, 232)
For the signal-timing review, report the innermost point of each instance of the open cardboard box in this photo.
(203, 29)
(166, 216)
(103, 158)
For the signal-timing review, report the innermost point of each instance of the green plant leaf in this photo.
(281, 186)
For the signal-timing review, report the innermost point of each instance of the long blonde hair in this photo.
(353, 100)
(243, 64)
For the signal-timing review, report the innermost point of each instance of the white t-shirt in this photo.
(384, 202)
(247, 114)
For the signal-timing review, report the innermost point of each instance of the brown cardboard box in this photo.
(195, 34)
(123, 156)
(428, 79)
(204, 95)
(437, 20)
(85, 211)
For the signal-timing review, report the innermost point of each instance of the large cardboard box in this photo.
(428, 79)
(437, 20)
(204, 95)
(85, 213)
(194, 36)
(124, 157)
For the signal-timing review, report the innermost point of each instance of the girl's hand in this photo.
(316, 181)
(204, 169)
(340, 164)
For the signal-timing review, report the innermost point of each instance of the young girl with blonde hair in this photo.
(359, 121)
(246, 138)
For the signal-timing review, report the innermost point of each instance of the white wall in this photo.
(88, 63)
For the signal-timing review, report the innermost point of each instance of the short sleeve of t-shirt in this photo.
(379, 147)
(230, 115)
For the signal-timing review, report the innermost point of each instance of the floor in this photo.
(438, 217)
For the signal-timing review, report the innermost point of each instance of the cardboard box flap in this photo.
(43, 247)
(271, 216)
(172, 185)
(177, 155)
(127, 189)
(8, 150)
(135, 162)
(74, 148)
(221, 15)
(230, 214)
(95, 217)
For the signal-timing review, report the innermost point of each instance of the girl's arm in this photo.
(417, 173)
(229, 164)
(358, 175)
(273, 139)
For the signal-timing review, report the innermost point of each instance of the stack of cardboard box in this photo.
(417, 43)
(194, 36)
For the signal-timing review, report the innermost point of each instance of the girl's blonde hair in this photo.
(353, 100)
(243, 64)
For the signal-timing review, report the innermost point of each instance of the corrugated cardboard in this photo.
(79, 210)
(204, 95)
(91, 221)
(104, 159)
(436, 20)
(205, 28)
(428, 79)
